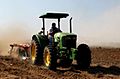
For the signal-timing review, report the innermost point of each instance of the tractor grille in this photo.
(69, 41)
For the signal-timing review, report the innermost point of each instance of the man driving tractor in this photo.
(54, 29)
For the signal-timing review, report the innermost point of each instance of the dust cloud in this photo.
(14, 33)
(102, 30)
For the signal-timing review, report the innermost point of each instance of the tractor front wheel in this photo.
(83, 56)
(49, 58)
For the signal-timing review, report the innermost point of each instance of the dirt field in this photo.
(105, 65)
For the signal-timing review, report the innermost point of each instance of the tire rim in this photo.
(33, 51)
(47, 57)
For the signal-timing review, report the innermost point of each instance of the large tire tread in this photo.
(39, 55)
(53, 58)
(83, 56)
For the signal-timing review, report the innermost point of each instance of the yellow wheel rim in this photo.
(33, 51)
(47, 58)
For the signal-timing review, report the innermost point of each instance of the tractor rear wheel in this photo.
(83, 56)
(36, 55)
(50, 60)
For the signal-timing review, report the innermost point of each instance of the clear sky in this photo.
(93, 20)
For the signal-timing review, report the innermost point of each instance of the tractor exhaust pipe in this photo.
(71, 25)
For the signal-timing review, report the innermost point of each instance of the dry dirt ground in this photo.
(105, 65)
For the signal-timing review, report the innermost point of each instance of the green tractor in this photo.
(63, 49)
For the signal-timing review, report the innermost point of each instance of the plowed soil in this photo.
(105, 65)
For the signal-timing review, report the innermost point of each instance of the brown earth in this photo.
(105, 65)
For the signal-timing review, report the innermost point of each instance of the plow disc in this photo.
(20, 51)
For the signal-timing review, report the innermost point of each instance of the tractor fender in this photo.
(37, 37)
(42, 40)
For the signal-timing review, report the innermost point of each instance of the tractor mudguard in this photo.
(42, 40)
(37, 37)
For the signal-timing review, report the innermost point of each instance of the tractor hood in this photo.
(60, 37)
(62, 34)
(67, 40)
